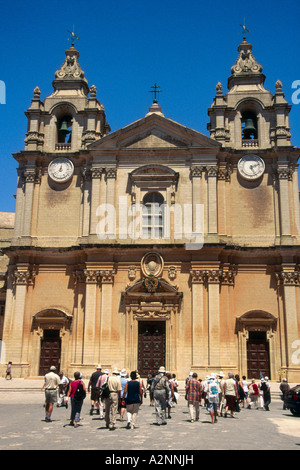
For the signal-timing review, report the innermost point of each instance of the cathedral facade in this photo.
(155, 244)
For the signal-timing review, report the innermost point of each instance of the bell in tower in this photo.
(250, 128)
(63, 130)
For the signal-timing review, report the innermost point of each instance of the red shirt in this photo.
(74, 387)
(254, 388)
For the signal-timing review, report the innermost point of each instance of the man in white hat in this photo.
(92, 387)
(160, 388)
(50, 386)
(111, 403)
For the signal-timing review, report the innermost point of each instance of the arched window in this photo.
(153, 217)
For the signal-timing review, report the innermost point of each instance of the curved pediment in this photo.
(256, 319)
(53, 317)
(153, 173)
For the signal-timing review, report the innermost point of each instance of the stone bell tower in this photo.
(249, 116)
(71, 117)
(61, 126)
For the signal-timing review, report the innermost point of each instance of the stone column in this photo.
(224, 173)
(78, 320)
(23, 276)
(92, 278)
(29, 175)
(86, 191)
(212, 173)
(196, 174)
(95, 198)
(213, 280)
(289, 278)
(111, 175)
(107, 278)
(20, 196)
(199, 321)
(285, 222)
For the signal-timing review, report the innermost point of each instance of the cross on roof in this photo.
(245, 30)
(155, 91)
(73, 36)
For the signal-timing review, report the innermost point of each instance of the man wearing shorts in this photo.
(52, 381)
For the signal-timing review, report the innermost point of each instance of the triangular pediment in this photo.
(154, 131)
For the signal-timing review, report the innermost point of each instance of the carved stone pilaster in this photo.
(288, 278)
(198, 276)
(227, 276)
(29, 175)
(91, 276)
(207, 276)
(196, 171)
(214, 276)
(96, 173)
(212, 171)
(24, 277)
(111, 173)
(224, 172)
(107, 276)
(285, 173)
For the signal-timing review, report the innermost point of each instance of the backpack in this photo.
(80, 393)
(264, 387)
(104, 391)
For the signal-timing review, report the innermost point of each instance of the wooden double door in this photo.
(258, 359)
(50, 351)
(151, 346)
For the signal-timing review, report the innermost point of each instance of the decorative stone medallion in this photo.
(152, 264)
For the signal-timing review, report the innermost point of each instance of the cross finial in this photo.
(155, 91)
(73, 36)
(245, 30)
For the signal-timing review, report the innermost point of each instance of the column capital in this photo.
(196, 171)
(23, 276)
(288, 278)
(111, 173)
(212, 171)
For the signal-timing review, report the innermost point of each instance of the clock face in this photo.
(61, 170)
(251, 167)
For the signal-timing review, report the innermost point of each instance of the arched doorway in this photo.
(256, 341)
(51, 328)
(50, 351)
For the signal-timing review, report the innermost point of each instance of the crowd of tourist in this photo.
(116, 392)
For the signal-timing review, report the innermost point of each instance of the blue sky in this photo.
(127, 46)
